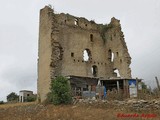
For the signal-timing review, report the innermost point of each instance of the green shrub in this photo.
(31, 98)
(60, 91)
(1, 102)
(49, 98)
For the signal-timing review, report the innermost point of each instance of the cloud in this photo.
(19, 36)
(18, 53)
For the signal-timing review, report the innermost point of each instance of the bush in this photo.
(31, 98)
(1, 102)
(60, 92)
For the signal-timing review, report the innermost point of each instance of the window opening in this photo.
(86, 55)
(117, 72)
(117, 54)
(76, 22)
(120, 60)
(72, 54)
(94, 70)
(112, 57)
(91, 37)
(109, 54)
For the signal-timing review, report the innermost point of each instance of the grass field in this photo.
(35, 111)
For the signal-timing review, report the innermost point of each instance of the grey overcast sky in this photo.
(19, 24)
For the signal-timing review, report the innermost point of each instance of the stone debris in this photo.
(133, 104)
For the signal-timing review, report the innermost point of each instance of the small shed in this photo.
(129, 86)
(87, 86)
(24, 94)
(79, 84)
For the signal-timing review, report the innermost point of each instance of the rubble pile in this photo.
(132, 104)
(144, 104)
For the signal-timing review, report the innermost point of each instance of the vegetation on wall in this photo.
(92, 22)
(103, 30)
(60, 91)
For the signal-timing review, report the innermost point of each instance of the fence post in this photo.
(157, 83)
(118, 86)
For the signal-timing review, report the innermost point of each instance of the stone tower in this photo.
(70, 45)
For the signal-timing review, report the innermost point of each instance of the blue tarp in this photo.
(132, 82)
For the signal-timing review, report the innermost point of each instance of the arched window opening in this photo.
(110, 55)
(112, 58)
(94, 70)
(116, 71)
(86, 55)
(91, 37)
(76, 21)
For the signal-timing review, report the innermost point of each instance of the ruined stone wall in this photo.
(63, 38)
(44, 53)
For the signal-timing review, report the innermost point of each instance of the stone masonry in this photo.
(65, 39)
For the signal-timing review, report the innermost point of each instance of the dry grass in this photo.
(33, 111)
(9, 105)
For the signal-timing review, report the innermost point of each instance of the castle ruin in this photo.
(75, 46)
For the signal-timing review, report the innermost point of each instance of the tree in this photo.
(12, 97)
(144, 86)
(60, 92)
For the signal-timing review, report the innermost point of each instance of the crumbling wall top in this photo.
(115, 22)
(81, 22)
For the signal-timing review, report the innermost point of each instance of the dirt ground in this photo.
(34, 111)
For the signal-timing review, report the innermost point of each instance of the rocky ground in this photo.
(132, 104)
(84, 110)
